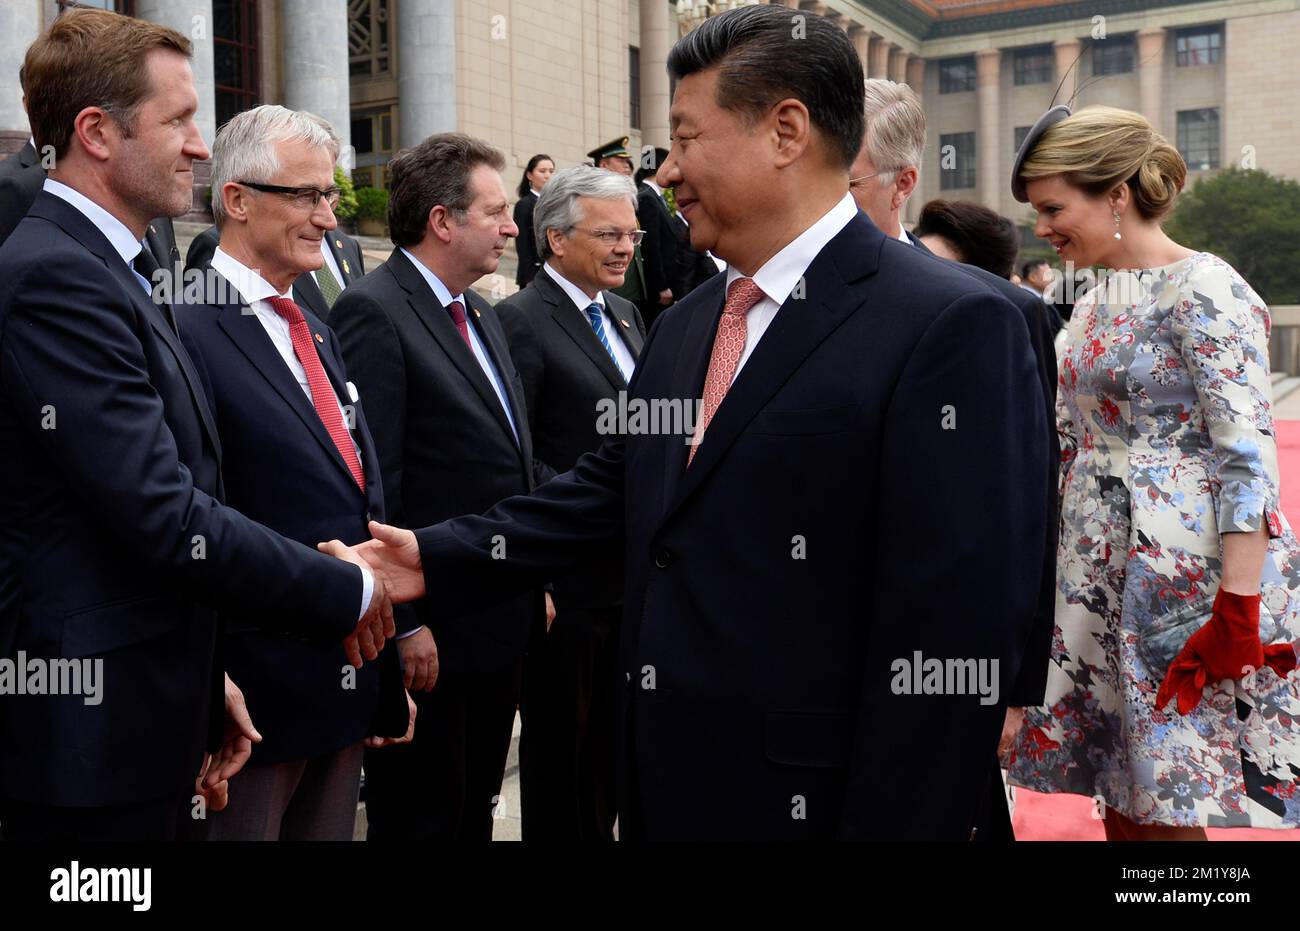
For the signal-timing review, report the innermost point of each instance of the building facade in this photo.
(1217, 77)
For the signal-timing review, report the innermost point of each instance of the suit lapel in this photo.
(493, 339)
(307, 294)
(627, 328)
(341, 258)
(424, 304)
(250, 337)
(799, 327)
(574, 323)
(691, 366)
(334, 370)
(27, 155)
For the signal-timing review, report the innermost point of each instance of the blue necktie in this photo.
(598, 324)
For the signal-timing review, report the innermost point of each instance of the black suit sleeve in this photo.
(69, 352)
(373, 356)
(960, 517)
(14, 204)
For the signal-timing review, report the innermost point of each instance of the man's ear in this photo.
(556, 239)
(234, 198)
(906, 182)
(439, 222)
(792, 126)
(95, 130)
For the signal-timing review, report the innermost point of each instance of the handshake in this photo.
(393, 558)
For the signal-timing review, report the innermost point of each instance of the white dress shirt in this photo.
(613, 329)
(445, 297)
(256, 292)
(902, 235)
(119, 237)
(779, 274)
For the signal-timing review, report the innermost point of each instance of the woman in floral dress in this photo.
(1170, 523)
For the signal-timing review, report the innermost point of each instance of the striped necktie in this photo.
(598, 324)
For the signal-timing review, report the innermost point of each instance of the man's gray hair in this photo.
(895, 136)
(245, 147)
(557, 207)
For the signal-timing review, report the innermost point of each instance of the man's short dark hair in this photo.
(1028, 268)
(765, 54)
(434, 172)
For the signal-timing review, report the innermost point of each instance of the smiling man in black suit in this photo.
(864, 490)
(298, 458)
(575, 343)
(116, 541)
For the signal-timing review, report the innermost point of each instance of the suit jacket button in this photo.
(663, 559)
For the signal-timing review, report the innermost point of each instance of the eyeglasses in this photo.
(612, 237)
(304, 198)
(874, 174)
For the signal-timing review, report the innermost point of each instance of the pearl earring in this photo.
(1117, 235)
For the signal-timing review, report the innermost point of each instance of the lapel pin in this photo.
(339, 243)
(476, 313)
(626, 325)
(319, 338)
(346, 269)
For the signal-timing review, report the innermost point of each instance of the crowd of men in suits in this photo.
(697, 630)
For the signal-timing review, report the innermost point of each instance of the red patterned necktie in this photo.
(457, 312)
(322, 392)
(728, 344)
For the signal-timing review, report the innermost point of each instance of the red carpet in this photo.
(1070, 817)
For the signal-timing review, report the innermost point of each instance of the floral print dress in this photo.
(1167, 440)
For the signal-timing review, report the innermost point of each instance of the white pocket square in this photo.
(352, 393)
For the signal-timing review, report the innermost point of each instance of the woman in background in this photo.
(539, 171)
(970, 233)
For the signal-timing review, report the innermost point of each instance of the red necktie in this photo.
(457, 311)
(322, 392)
(728, 345)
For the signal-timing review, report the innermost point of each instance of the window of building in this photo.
(1020, 132)
(1113, 56)
(1034, 65)
(1199, 45)
(373, 140)
(956, 161)
(957, 75)
(1198, 138)
(235, 71)
(634, 86)
(369, 27)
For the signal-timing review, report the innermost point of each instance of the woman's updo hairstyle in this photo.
(1100, 147)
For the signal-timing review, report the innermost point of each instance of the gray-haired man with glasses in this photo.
(341, 259)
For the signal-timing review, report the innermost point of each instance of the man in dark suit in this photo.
(450, 424)
(21, 177)
(575, 343)
(811, 591)
(277, 387)
(895, 135)
(341, 264)
(659, 247)
(111, 484)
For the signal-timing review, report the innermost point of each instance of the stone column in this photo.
(426, 68)
(861, 40)
(20, 24)
(314, 61)
(988, 64)
(192, 19)
(916, 74)
(897, 65)
(879, 57)
(1067, 54)
(655, 42)
(1151, 60)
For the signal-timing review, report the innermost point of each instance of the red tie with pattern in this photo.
(728, 344)
(322, 392)
(462, 326)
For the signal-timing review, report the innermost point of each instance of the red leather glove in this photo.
(1222, 649)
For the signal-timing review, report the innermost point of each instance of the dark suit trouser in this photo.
(154, 820)
(297, 800)
(445, 785)
(993, 822)
(567, 746)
